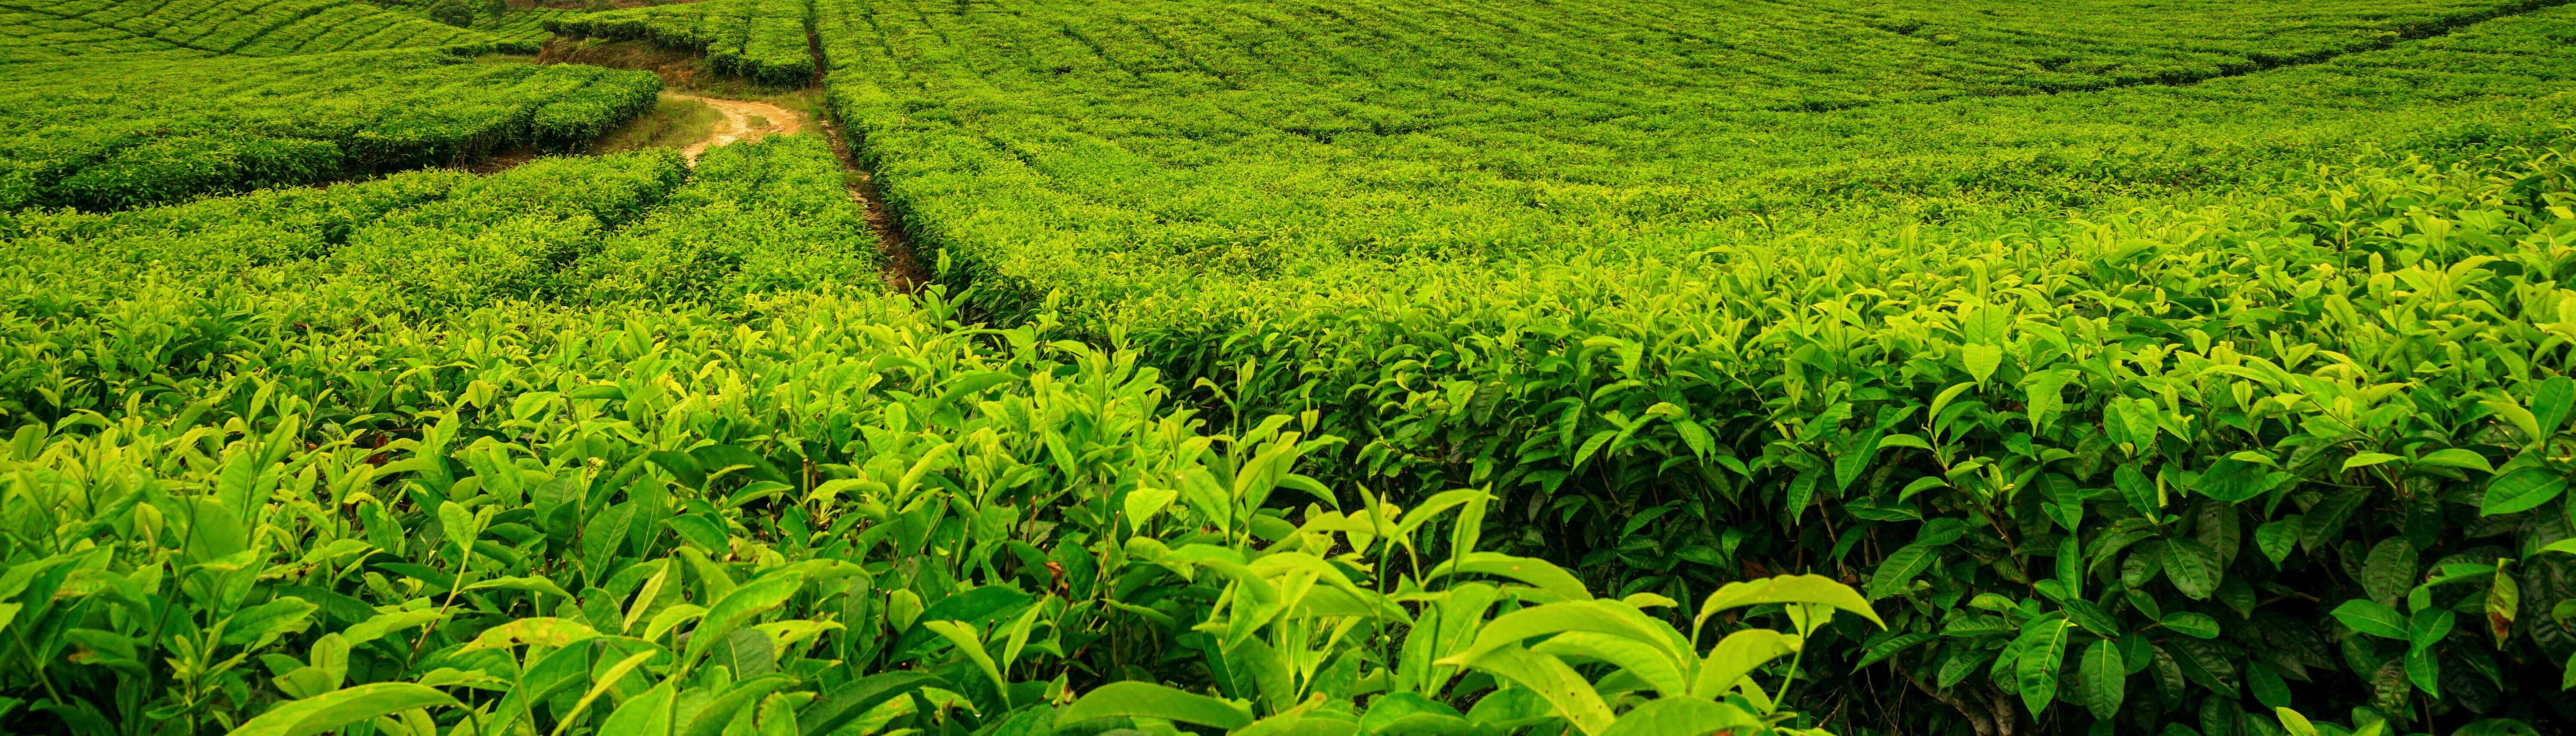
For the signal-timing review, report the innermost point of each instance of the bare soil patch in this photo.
(743, 121)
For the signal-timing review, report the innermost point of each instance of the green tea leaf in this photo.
(1889, 647)
(2137, 489)
(342, 708)
(2371, 617)
(2456, 458)
(2266, 684)
(458, 523)
(840, 705)
(721, 711)
(2521, 490)
(2493, 727)
(2195, 625)
(1144, 503)
(2036, 671)
(2091, 617)
(646, 714)
(1900, 569)
(2233, 480)
(1681, 716)
(1535, 572)
(531, 584)
(2503, 605)
(739, 607)
(2550, 403)
(1736, 656)
(2389, 570)
(2105, 679)
(2428, 626)
(2278, 538)
(748, 653)
(1149, 700)
(2192, 567)
(277, 617)
(545, 632)
(2294, 723)
(1550, 678)
(1981, 360)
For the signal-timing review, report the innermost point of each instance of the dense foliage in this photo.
(2168, 464)
(697, 518)
(525, 26)
(2126, 425)
(101, 136)
(1613, 368)
(1061, 148)
(124, 29)
(764, 40)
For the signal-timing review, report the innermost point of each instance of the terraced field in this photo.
(217, 28)
(1568, 368)
(1266, 135)
(765, 40)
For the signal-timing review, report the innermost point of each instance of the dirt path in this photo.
(903, 272)
(738, 124)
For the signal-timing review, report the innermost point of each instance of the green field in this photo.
(763, 40)
(1569, 368)
(126, 29)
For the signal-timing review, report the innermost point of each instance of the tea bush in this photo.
(2006, 364)
(1612, 368)
(105, 136)
(358, 470)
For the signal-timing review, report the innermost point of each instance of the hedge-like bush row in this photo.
(256, 28)
(174, 130)
(2271, 428)
(635, 428)
(765, 40)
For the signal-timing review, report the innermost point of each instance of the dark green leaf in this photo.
(2522, 490)
(2105, 679)
(2550, 403)
(2232, 480)
(2428, 626)
(2456, 458)
(2138, 489)
(2324, 522)
(2278, 538)
(2267, 685)
(2371, 617)
(2389, 571)
(1901, 568)
(342, 708)
(2036, 672)
(716, 714)
(2091, 617)
(2192, 567)
(2195, 625)
(2500, 726)
(978, 607)
(1144, 699)
(746, 652)
(712, 458)
(1889, 647)
(842, 704)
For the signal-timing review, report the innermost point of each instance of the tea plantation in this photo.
(1569, 368)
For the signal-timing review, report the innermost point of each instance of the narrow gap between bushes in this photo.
(733, 98)
(903, 273)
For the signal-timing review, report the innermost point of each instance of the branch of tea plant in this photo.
(39, 666)
(1782, 698)
(464, 561)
